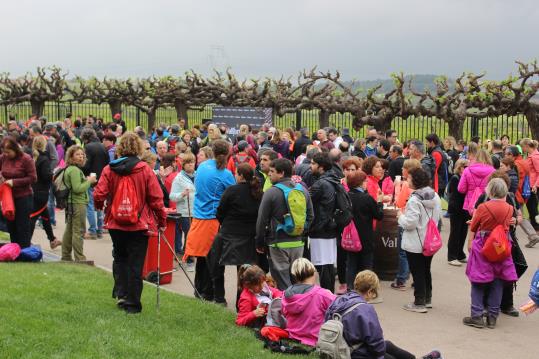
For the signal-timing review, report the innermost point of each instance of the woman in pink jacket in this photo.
(530, 147)
(474, 179)
(305, 303)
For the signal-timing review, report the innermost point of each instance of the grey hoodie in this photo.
(423, 205)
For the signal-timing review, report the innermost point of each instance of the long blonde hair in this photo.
(483, 157)
(39, 144)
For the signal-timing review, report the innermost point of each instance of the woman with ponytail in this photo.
(211, 181)
(237, 214)
(41, 190)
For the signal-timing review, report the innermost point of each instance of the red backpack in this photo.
(239, 159)
(497, 246)
(125, 205)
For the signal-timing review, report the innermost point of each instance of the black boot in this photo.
(511, 311)
(491, 322)
(476, 322)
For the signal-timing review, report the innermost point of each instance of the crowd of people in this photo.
(270, 202)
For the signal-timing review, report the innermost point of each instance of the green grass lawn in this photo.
(54, 310)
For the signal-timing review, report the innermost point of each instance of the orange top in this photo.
(403, 196)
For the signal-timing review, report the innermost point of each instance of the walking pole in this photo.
(158, 265)
(180, 264)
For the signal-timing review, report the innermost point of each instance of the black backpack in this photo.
(342, 215)
(429, 165)
(60, 189)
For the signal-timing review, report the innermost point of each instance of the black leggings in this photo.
(19, 228)
(394, 352)
(43, 213)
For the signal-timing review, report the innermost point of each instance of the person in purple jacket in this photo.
(362, 327)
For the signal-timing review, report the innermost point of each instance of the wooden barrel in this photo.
(386, 251)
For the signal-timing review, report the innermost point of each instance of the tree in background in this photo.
(47, 85)
(110, 91)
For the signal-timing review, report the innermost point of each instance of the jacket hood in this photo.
(343, 302)
(427, 196)
(126, 165)
(331, 176)
(298, 303)
(335, 168)
(480, 169)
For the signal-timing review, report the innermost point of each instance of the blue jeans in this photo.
(95, 226)
(404, 270)
(52, 208)
(182, 228)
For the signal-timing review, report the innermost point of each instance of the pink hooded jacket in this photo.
(533, 164)
(305, 313)
(475, 175)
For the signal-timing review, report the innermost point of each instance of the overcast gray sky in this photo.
(363, 39)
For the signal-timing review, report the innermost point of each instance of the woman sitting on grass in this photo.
(305, 303)
(255, 297)
(361, 328)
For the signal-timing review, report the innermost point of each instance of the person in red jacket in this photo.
(255, 296)
(241, 157)
(130, 241)
(18, 171)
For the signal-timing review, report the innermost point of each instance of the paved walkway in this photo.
(441, 328)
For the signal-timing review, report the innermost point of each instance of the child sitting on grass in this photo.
(361, 325)
(255, 297)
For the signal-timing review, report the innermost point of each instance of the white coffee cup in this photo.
(397, 178)
(93, 174)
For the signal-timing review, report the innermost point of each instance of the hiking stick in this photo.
(158, 266)
(189, 208)
(181, 266)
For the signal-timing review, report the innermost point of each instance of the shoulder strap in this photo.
(349, 310)
(490, 212)
(352, 308)
(282, 187)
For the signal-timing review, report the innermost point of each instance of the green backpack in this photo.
(295, 221)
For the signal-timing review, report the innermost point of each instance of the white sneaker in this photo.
(455, 262)
(190, 267)
(411, 307)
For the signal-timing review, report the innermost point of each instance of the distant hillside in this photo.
(419, 83)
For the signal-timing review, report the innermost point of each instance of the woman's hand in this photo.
(91, 179)
(380, 197)
(259, 312)
(185, 192)
(9, 182)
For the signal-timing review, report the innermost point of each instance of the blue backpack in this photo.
(534, 289)
(30, 254)
(295, 221)
(526, 188)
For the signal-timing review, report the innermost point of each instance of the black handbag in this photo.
(518, 257)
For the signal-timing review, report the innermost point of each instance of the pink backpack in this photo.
(477, 192)
(433, 239)
(9, 252)
(350, 240)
